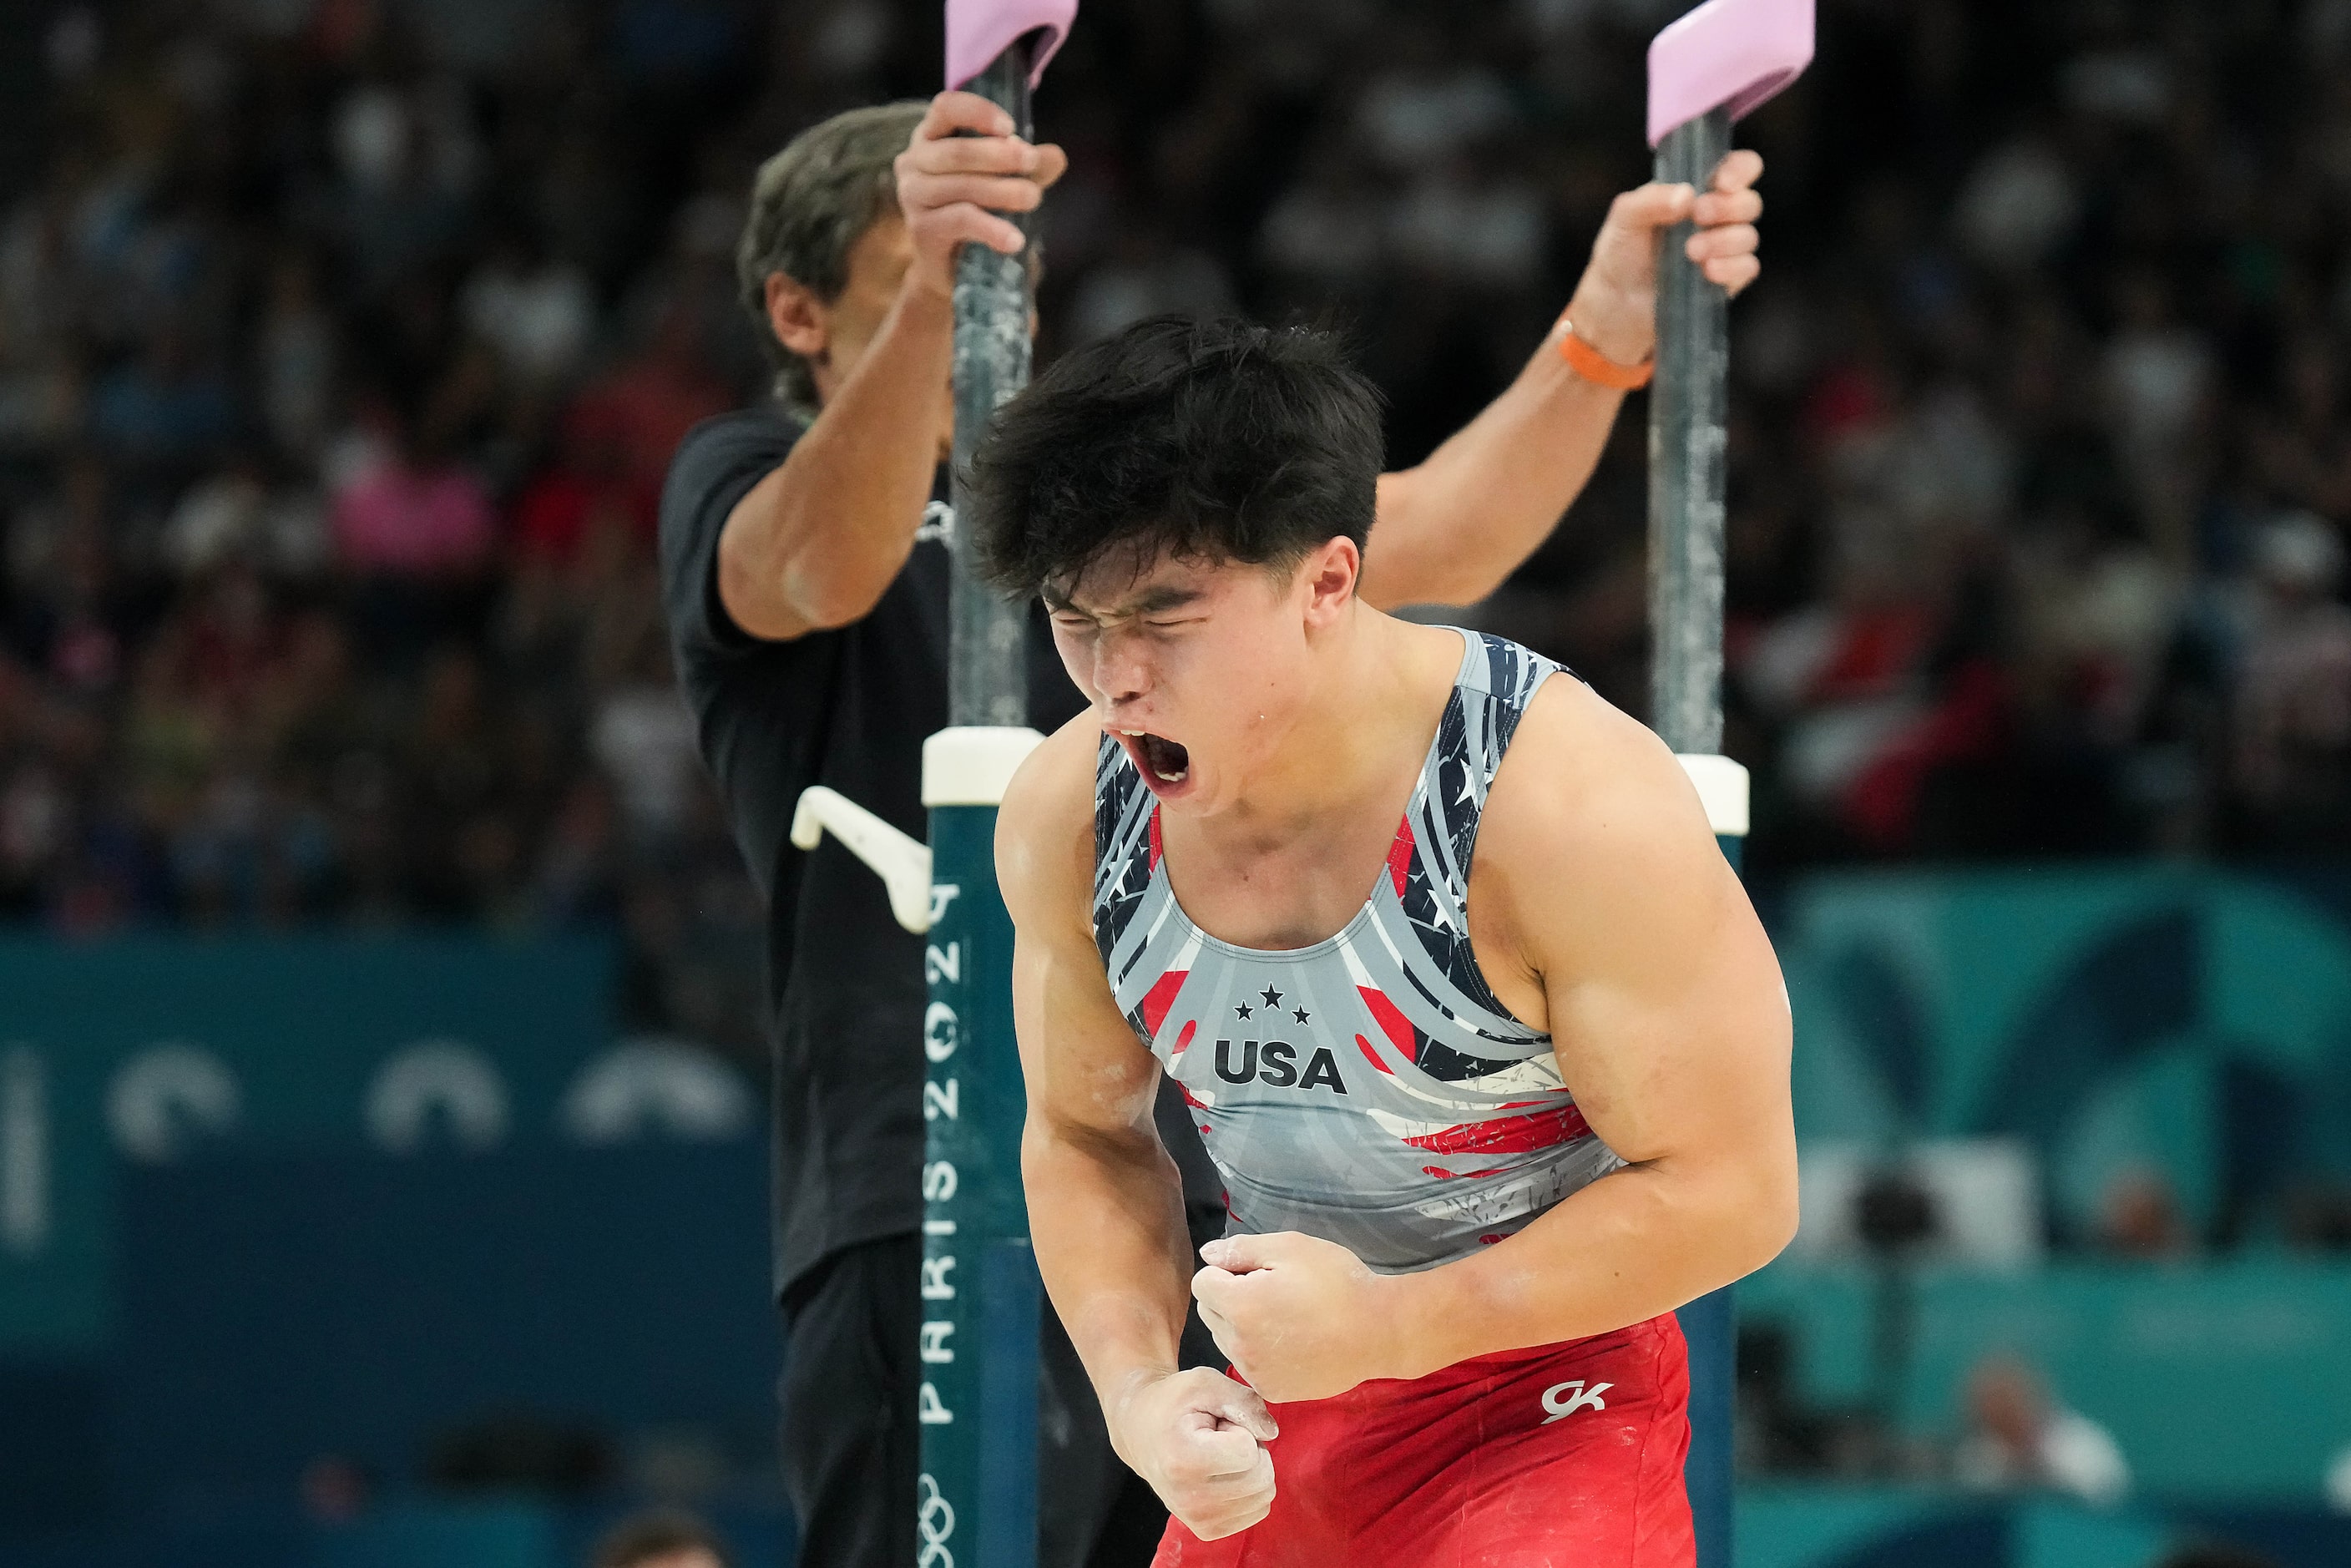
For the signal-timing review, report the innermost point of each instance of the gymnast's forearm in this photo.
(1106, 1216)
(1629, 1246)
(816, 543)
(1450, 530)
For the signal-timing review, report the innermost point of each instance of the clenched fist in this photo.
(1198, 1437)
(951, 185)
(1302, 1318)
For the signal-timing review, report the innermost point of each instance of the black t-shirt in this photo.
(849, 708)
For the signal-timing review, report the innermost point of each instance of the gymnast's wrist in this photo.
(1425, 1313)
(1118, 1394)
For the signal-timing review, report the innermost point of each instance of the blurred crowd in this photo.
(343, 344)
(342, 349)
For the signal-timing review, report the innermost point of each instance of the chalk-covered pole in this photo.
(1706, 71)
(975, 1493)
(987, 663)
(1689, 445)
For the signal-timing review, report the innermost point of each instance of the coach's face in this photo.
(834, 335)
(1203, 670)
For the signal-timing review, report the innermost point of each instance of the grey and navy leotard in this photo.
(1369, 1090)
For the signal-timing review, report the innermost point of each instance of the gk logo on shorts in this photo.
(1579, 1398)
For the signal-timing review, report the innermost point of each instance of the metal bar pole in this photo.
(1688, 442)
(1689, 403)
(977, 1408)
(988, 683)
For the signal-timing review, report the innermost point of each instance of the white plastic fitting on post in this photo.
(903, 864)
(971, 765)
(1722, 791)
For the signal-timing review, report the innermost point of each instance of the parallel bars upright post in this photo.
(1714, 65)
(976, 1491)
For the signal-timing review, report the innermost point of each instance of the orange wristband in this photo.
(1595, 367)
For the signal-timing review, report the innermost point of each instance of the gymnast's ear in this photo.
(800, 321)
(1331, 574)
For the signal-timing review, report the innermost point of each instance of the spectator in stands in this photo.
(2292, 749)
(168, 405)
(416, 514)
(664, 1539)
(2139, 1219)
(2018, 1439)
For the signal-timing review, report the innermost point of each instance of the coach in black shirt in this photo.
(804, 560)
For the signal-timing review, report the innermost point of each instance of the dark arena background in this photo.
(383, 1062)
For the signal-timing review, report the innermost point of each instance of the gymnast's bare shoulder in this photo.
(1045, 831)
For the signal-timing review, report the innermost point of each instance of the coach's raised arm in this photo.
(815, 543)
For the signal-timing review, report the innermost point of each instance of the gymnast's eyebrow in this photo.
(1154, 601)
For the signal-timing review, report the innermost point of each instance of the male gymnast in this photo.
(1481, 1130)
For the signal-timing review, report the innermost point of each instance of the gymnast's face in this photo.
(1204, 671)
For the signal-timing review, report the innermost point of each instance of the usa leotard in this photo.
(1372, 1090)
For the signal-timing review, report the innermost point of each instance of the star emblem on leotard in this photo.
(1298, 1013)
(1272, 998)
(1242, 1011)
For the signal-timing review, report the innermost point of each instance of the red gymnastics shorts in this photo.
(1566, 1454)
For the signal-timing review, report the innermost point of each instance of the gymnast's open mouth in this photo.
(1164, 763)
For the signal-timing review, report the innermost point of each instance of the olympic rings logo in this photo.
(935, 1520)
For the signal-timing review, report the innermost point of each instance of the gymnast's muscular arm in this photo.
(815, 544)
(1106, 1204)
(1667, 1011)
(1451, 530)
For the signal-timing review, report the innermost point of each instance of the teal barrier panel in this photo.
(2187, 1018)
(2225, 1380)
(407, 1532)
(2191, 1021)
(148, 1050)
(1830, 1526)
(1840, 1527)
(476, 1535)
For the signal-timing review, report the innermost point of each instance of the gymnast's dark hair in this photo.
(1212, 439)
